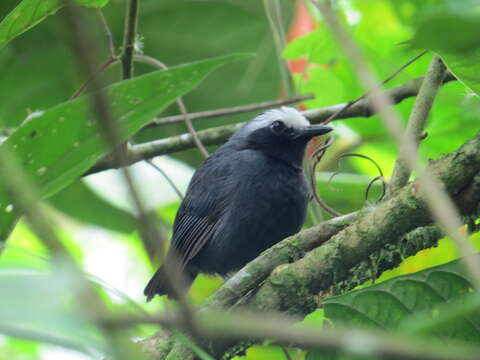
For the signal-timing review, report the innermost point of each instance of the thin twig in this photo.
(390, 77)
(417, 120)
(274, 17)
(315, 160)
(362, 108)
(109, 62)
(131, 20)
(230, 111)
(285, 352)
(165, 175)
(108, 33)
(181, 105)
(439, 203)
(219, 135)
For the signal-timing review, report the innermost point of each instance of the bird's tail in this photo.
(159, 284)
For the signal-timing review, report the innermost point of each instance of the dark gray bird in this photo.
(247, 196)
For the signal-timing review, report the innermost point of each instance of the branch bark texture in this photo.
(418, 118)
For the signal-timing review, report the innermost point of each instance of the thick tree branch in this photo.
(418, 118)
(219, 135)
(287, 251)
(295, 288)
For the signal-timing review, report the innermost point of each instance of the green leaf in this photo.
(450, 28)
(56, 319)
(79, 201)
(465, 67)
(29, 13)
(395, 302)
(460, 32)
(63, 142)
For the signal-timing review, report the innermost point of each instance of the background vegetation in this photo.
(73, 265)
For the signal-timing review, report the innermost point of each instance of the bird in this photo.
(244, 198)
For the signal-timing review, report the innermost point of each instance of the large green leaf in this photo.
(457, 22)
(461, 32)
(57, 319)
(428, 294)
(61, 143)
(29, 13)
(465, 67)
(80, 202)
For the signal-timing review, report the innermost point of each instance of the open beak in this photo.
(314, 130)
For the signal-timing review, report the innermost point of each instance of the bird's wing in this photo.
(194, 236)
(201, 210)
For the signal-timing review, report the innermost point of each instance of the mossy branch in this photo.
(296, 288)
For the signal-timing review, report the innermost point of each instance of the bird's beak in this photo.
(314, 130)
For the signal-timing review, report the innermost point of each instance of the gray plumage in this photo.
(247, 196)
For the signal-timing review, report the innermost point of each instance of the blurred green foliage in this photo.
(38, 72)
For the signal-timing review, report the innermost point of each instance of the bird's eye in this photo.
(277, 126)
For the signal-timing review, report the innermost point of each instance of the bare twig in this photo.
(285, 352)
(181, 105)
(165, 175)
(219, 135)
(440, 205)
(109, 62)
(417, 120)
(275, 21)
(131, 20)
(380, 177)
(108, 33)
(363, 109)
(230, 111)
(390, 77)
(315, 160)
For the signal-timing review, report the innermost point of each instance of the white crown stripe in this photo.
(290, 116)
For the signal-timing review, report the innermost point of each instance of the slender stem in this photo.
(273, 13)
(390, 77)
(108, 33)
(181, 105)
(165, 175)
(219, 135)
(109, 62)
(131, 21)
(230, 111)
(417, 120)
